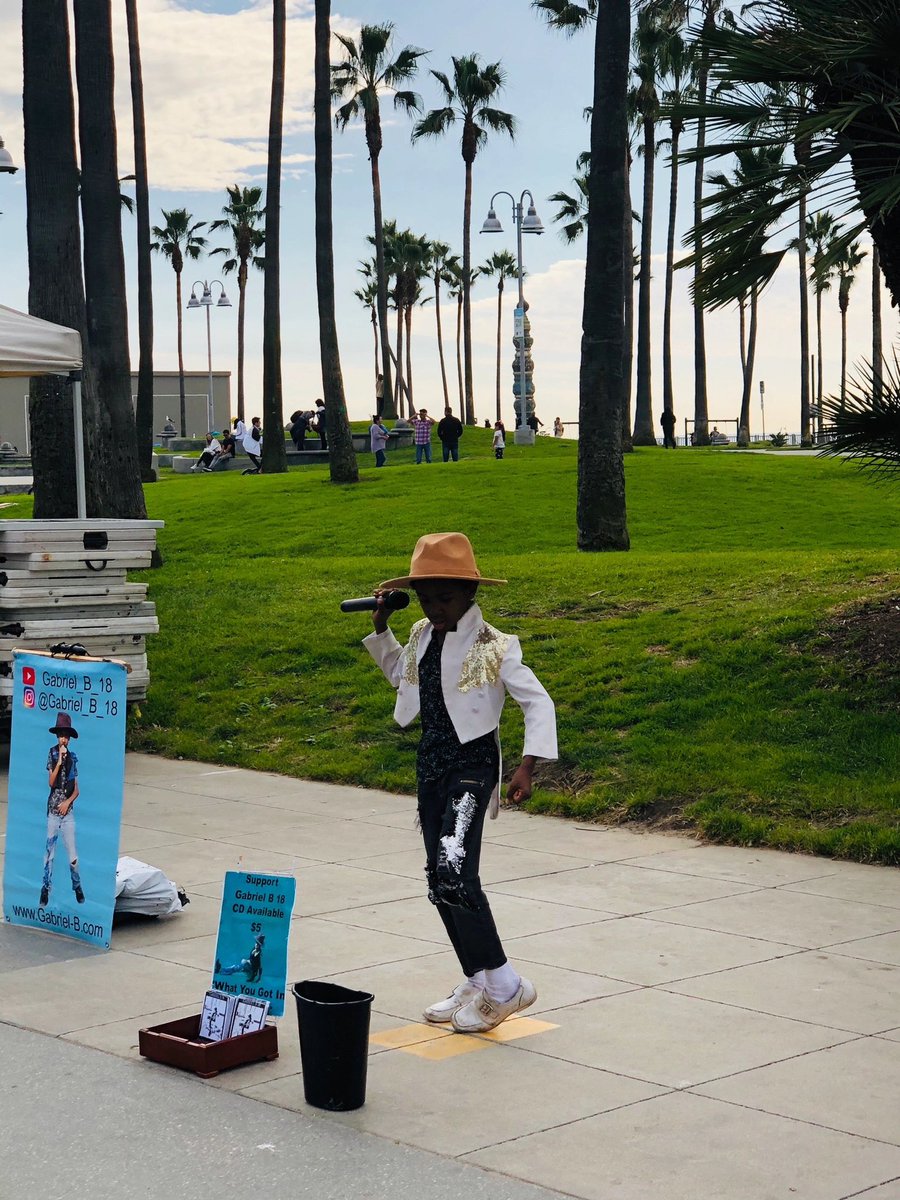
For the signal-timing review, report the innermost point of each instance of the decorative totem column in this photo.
(523, 365)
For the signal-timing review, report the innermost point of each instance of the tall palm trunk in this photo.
(274, 455)
(398, 361)
(55, 284)
(114, 441)
(843, 300)
(644, 433)
(409, 375)
(668, 385)
(390, 408)
(877, 356)
(242, 311)
(820, 425)
(601, 475)
(144, 409)
(749, 362)
(341, 456)
(467, 295)
(499, 338)
(440, 336)
(182, 404)
(805, 432)
(742, 331)
(701, 404)
(459, 366)
(375, 338)
(628, 338)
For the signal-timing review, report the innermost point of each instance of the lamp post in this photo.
(7, 166)
(206, 301)
(525, 222)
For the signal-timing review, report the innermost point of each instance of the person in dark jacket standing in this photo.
(667, 420)
(450, 430)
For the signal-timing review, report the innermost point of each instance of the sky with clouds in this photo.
(207, 69)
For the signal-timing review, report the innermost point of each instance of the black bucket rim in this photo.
(352, 995)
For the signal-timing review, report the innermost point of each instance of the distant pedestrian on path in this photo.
(450, 430)
(455, 672)
(499, 442)
(379, 435)
(667, 420)
(558, 428)
(321, 426)
(422, 428)
(252, 443)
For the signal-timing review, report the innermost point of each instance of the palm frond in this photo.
(434, 123)
(565, 16)
(408, 101)
(863, 430)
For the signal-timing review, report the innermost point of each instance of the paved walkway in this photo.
(712, 1021)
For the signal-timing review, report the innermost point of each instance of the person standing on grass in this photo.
(422, 429)
(499, 442)
(455, 671)
(253, 444)
(321, 426)
(379, 435)
(558, 428)
(667, 420)
(450, 430)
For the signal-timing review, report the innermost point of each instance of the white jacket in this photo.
(479, 665)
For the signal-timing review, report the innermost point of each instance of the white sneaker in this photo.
(483, 1013)
(442, 1012)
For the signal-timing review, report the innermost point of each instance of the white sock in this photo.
(502, 983)
(477, 980)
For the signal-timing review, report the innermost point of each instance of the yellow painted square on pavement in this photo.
(448, 1047)
(517, 1027)
(407, 1035)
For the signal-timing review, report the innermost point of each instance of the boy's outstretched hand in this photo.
(519, 788)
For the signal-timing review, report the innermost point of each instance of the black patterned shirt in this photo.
(440, 750)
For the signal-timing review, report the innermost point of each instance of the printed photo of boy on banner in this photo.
(254, 928)
(66, 781)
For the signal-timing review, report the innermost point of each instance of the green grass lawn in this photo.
(694, 677)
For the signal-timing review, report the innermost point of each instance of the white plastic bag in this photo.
(141, 888)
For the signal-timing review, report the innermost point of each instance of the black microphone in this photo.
(392, 602)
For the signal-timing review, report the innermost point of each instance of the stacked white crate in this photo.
(65, 581)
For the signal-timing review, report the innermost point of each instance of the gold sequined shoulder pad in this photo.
(410, 652)
(481, 666)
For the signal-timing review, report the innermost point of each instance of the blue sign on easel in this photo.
(254, 928)
(66, 781)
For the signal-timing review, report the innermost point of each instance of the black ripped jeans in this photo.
(452, 810)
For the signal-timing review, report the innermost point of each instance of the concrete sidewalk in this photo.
(712, 1021)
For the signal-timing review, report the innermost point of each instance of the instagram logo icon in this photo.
(29, 697)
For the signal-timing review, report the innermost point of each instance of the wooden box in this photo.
(176, 1044)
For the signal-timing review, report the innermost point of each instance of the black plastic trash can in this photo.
(334, 1043)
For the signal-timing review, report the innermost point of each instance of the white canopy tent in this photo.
(29, 346)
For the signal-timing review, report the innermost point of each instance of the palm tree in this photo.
(503, 265)
(821, 232)
(241, 217)
(274, 455)
(442, 265)
(406, 258)
(846, 265)
(677, 67)
(366, 72)
(367, 295)
(55, 282)
(115, 452)
(649, 36)
(177, 240)
(572, 212)
(144, 407)
(341, 457)
(865, 432)
(751, 185)
(455, 292)
(877, 353)
(467, 99)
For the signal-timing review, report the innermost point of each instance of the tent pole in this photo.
(75, 376)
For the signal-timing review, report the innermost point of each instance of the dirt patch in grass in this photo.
(562, 777)
(866, 638)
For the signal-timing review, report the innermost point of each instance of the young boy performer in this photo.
(456, 670)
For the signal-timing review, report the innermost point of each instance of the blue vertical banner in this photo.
(66, 781)
(254, 928)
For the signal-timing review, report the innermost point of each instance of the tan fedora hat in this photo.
(442, 556)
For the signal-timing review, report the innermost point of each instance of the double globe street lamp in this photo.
(205, 300)
(523, 384)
